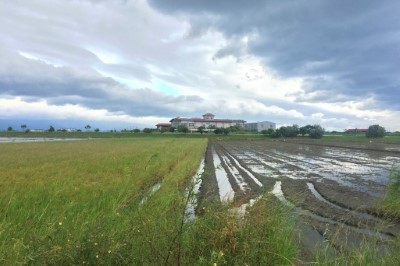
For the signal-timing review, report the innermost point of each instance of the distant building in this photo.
(260, 126)
(356, 130)
(208, 122)
(163, 125)
(37, 130)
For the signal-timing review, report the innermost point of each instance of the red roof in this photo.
(207, 120)
(208, 114)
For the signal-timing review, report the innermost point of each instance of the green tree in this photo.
(23, 127)
(147, 130)
(235, 128)
(51, 129)
(136, 130)
(316, 132)
(97, 130)
(9, 129)
(305, 130)
(163, 129)
(289, 131)
(183, 129)
(268, 131)
(219, 131)
(375, 131)
(276, 134)
(201, 129)
(88, 127)
(172, 129)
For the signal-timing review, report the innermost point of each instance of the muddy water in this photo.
(340, 184)
(363, 170)
(225, 189)
(156, 187)
(277, 191)
(22, 140)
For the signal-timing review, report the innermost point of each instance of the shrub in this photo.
(219, 130)
(147, 130)
(201, 129)
(183, 129)
(276, 134)
(375, 131)
(305, 130)
(316, 132)
(268, 131)
(289, 131)
(235, 128)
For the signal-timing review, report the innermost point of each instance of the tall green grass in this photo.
(81, 202)
(391, 202)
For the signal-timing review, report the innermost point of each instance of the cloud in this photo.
(269, 60)
(35, 80)
(341, 48)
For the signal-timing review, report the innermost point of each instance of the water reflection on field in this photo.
(363, 168)
(21, 140)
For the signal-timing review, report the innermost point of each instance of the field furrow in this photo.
(336, 189)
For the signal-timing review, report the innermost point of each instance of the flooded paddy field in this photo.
(35, 139)
(334, 187)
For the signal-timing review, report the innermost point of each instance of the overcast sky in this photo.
(135, 63)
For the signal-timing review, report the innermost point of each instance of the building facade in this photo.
(208, 122)
(259, 126)
(163, 126)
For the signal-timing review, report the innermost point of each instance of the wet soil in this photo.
(336, 187)
(209, 187)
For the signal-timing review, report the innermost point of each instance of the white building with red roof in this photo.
(208, 122)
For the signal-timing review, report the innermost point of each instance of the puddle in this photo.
(225, 189)
(22, 140)
(241, 211)
(246, 171)
(277, 191)
(151, 191)
(235, 173)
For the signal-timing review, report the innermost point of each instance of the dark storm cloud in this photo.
(346, 50)
(34, 80)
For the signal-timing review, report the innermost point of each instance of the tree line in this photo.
(312, 131)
